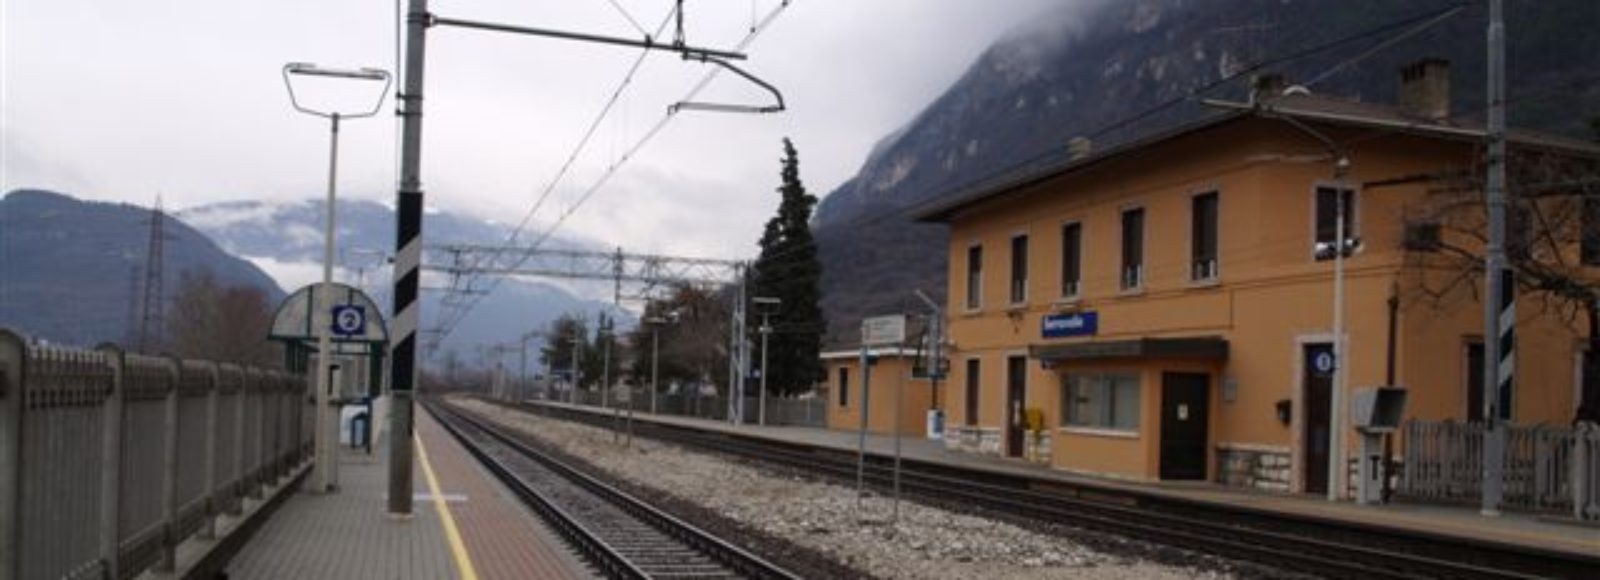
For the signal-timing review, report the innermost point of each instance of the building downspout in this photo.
(1389, 378)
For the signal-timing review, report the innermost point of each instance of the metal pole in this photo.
(407, 261)
(899, 395)
(761, 407)
(1494, 263)
(861, 442)
(605, 366)
(324, 301)
(655, 361)
(1337, 472)
(572, 389)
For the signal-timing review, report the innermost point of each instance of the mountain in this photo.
(285, 239)
(70, 269)
(1098, 73)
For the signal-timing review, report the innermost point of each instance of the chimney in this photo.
(1079, 147)
(1425, 89)
(1266, 86)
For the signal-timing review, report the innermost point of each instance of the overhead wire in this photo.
(610, 171)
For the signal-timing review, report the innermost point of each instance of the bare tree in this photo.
(1552, 245)
(694, 344)
(220, 323)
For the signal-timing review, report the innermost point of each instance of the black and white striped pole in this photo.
(1499, 313)
(407, 263)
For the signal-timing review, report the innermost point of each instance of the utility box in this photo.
(1378, 409)
(1374, 412)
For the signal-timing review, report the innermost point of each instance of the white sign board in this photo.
(883, 330)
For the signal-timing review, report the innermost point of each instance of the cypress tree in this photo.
(789, 271)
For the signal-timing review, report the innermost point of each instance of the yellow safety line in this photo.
(451, 533)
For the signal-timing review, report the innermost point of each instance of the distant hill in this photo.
(66, 265)
(1074, 74)
(285, 239)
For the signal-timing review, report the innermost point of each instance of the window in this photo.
(1019, 269)
(972, 392)
(1132, 249)
(844, 386)
(1203, 248)
(1071, 260)
(1589, 252)
(1102, 401)
(974, 277)
(1423, 235)
(1328, 199)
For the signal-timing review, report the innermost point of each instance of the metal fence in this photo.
(805, 412)
(808, 412)
(1546, 467)
(109, 460)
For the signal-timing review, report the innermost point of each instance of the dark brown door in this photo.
(1314, 429)
(1016, 402)
(1184, 398)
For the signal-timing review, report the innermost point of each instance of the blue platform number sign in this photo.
(349, 320)
(1072, 324)
(1323, 363)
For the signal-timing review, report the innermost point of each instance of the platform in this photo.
(1462, 521)
(465, 525)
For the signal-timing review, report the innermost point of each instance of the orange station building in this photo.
(896, 385)
(1168, 304)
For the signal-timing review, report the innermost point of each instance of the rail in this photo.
(1316, 544)
(110, 460)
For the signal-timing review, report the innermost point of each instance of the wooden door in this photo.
(1184, 425)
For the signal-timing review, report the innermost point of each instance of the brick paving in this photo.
(347, 535)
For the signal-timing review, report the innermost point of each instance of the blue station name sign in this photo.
(1071, 324)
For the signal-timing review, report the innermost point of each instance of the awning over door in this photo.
(1196, 348)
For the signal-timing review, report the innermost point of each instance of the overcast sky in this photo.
(124, 100)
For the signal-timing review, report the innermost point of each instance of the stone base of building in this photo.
(1256, 467)
(982, 440)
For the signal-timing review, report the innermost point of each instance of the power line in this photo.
(449, 325)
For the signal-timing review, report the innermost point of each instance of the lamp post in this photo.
(572, 389)
(767, 303)
(655, 323)
(327, 478)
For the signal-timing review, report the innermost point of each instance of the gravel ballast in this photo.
(826, 518)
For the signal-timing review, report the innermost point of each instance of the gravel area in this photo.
(923, 543)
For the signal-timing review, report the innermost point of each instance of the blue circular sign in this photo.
(1323, 362)
(349, 320)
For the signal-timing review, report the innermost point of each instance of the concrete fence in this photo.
(1547, 468)
(108, 460)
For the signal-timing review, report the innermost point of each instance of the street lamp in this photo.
(326, 478)
(655, 323)
(572, 386)
(766, 329)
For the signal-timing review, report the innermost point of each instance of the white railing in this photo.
(1546, 467)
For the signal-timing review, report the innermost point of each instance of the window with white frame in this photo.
(1132, 249)
(1071, 260)
(974, 277)
(1019, 269)
(1107, 401)
(1203, 243)
(1328, 201)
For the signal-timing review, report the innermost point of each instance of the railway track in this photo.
(621, 535)
(1309, 544)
